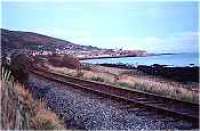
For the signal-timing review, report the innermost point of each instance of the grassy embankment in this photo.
(20, 111)
(123, 79)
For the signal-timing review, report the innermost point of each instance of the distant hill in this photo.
(39, 43)
(34, 41)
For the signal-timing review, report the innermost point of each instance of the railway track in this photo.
(164, 105)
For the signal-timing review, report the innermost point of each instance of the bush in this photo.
(20, 65)
(124, 84)
(71, 62)
(19, 111)
(65, 61)
(44, 119)
(56, 61)
(97, 79)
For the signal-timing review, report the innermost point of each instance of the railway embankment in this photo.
(86, 110)
(19, 111)
(133, 79)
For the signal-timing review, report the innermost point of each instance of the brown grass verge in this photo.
(154, 85)
(20, 111)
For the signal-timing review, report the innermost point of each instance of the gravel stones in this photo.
(84, 110)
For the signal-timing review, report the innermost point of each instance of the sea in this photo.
(177, 60)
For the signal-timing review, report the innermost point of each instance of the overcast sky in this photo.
(152, 26)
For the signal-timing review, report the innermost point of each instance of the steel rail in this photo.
(182, 109)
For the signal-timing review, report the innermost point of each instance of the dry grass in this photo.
(45, 119)
(62, 70)
(114, 71)
(165, 89)
(20, 111)
(98, 76)
(124, 79)
(85, 74)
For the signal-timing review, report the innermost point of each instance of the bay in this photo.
(181, 59)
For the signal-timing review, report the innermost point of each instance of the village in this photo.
(80, 53)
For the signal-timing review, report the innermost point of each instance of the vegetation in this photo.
(20, 65)
(130, 81)
(65, 61)
(55, 61)
(20, 111)
(71, 62)
(97, 79)
(176, 91)
(124, 84)
(34, 41)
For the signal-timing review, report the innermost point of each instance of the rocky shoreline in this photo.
(180, 74)
(103, 57)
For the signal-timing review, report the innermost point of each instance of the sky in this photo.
(152, 26)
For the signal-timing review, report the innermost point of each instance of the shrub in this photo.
(124, 84)
(97, 79)
(20, 65)
(20, 111)
(44, 119)
(65, 61)
(56, 60)
(71, 62)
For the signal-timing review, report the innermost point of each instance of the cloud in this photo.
(177, 42)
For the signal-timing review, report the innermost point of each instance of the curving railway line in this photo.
(163, 105)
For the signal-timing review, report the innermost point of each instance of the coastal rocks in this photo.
(182, 74)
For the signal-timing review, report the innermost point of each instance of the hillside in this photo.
(37, 44)
(34, 41)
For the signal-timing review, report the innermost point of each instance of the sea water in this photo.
(181, 59)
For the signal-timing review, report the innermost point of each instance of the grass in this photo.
(97, 79)
(20, 111)
(6, 74)
(169, 91)
(45, 119)
(125, 79)
(124, 84)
